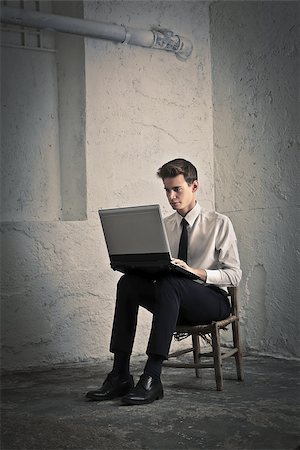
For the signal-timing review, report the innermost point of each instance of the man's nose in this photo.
(172, 194)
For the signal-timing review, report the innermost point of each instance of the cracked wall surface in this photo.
(255, 73)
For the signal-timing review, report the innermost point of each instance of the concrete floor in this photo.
(47, 410)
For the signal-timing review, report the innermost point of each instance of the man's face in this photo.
(181, 195)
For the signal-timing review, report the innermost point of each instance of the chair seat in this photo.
(205, 328)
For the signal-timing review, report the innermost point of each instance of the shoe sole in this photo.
(108, 397)
(129, 402)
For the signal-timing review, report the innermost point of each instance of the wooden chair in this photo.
(211, 333)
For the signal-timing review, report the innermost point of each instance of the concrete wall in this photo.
(70, 61)
(143, 107)
(255, 69)
(24, 109)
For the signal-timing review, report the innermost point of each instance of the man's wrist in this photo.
(202, 274)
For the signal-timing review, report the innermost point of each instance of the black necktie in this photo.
(183, 243)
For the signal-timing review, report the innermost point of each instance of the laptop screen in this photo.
(134, 230)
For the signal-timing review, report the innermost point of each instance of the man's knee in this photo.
(125, 280)
(133, 283)
(168, 283)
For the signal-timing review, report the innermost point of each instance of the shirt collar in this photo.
(191, 215)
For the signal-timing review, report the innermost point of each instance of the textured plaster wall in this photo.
(70, 62)
(255, 71)
(143, 107)
(26, 79)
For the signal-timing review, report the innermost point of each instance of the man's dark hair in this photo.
(176, 167)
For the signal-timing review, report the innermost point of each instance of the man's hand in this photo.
(200, 272)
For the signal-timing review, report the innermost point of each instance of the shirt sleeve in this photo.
(228, 272)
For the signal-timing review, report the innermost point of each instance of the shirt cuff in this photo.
(212, 277)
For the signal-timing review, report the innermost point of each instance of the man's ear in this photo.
(195, 186)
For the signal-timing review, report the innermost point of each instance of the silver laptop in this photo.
(137, 242)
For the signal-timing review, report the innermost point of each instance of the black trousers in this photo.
(171, 299)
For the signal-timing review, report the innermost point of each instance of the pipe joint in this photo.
(127, 35)
(167, 40)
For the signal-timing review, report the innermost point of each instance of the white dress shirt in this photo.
(211, 245)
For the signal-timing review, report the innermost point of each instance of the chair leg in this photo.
(196, 352)
(217, 358)
(238, 355)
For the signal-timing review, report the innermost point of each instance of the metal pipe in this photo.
(156, 38)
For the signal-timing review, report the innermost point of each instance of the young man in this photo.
(205, 243)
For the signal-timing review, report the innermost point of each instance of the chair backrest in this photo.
(234, 301)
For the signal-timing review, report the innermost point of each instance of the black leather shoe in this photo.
(146, 391)
(113, 387)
